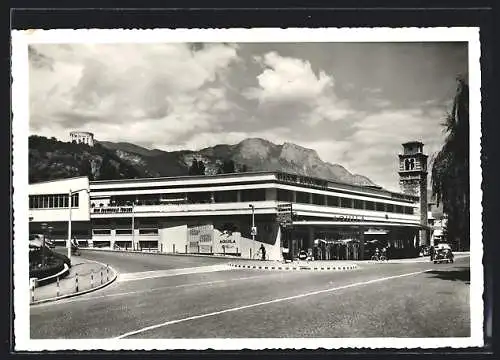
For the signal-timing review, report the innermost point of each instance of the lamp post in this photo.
(70, 206)
(253, 227)
(133, 226)
(44, 228)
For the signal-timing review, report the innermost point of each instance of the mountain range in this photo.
(51, 159)
(253, 154)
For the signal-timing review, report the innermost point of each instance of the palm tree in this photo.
(450, 169)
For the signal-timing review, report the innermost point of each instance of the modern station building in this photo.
(215, 214)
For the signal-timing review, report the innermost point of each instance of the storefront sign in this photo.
(200, 239)
(348, 218)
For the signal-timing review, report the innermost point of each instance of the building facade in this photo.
(215, 214)
(81, 137)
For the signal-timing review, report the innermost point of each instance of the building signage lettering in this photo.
(303, 180)
(348, 218)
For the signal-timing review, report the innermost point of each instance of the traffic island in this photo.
(295, 266)
(84, 276)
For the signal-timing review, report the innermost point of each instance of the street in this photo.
(150, 301)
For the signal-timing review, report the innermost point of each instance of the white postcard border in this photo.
(20, 127)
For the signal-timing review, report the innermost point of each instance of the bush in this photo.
(54, 264)
(53, 267)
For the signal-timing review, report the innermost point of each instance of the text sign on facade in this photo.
(284, 214)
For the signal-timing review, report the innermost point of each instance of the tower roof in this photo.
(413, 143)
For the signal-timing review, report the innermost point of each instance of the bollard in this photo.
(107, 272)
(101, 276)
(32, 288)
(173, 248)
(76, 282)
(186, 249)
(92, 278)
(57, 292)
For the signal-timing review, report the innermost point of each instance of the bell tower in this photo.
(413, 179)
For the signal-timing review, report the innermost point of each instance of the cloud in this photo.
(377, 140)
(287, 81)
(170, 88)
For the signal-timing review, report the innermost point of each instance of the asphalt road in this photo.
(377, 300)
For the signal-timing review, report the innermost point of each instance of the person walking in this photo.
(432, 252)
(263, 252)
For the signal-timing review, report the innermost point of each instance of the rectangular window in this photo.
(51, 201)
(358, 204)
(318, 199)
(380, 206)
(123, 231)
(399, 209)
(302, 197)
(346, 203)
(390, 208)
(45, 201)
(31, 202)
(74, 200)
(65, 201)
(369, 205)
(285, 195)
(408, 210)
(101, 232)
(148, 231)
(333, 201)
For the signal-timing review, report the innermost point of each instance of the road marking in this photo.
(150, 290)
(171, 272)
(172, 322)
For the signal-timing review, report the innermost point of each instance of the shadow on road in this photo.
(460, 274)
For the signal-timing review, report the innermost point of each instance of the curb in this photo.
(165, 254)
(55, 276)
(297, 268)
(38, 302)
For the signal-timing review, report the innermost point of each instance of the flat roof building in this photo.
(214, 214)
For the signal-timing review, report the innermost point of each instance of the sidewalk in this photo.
(84, 276)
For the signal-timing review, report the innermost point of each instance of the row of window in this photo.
(342, 202)
(53, 201)
(124, 232)
(258, 195)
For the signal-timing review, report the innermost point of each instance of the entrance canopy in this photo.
(358, 224)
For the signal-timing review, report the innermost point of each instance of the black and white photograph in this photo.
(247, 189)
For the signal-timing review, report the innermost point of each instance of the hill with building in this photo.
(53, 159)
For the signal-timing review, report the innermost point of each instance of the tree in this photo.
(194, 168)
(201, 168)
(450, 169)
(228, 167)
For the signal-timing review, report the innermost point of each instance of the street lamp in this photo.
(252, 231)
(44, 228)
(70, 203)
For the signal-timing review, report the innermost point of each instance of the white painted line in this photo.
(171, 272)
(172, 322)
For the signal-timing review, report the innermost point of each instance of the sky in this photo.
(354, 103)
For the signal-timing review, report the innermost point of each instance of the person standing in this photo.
(263, 251)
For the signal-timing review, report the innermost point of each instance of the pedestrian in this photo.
(432, 252)
(263, 251)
